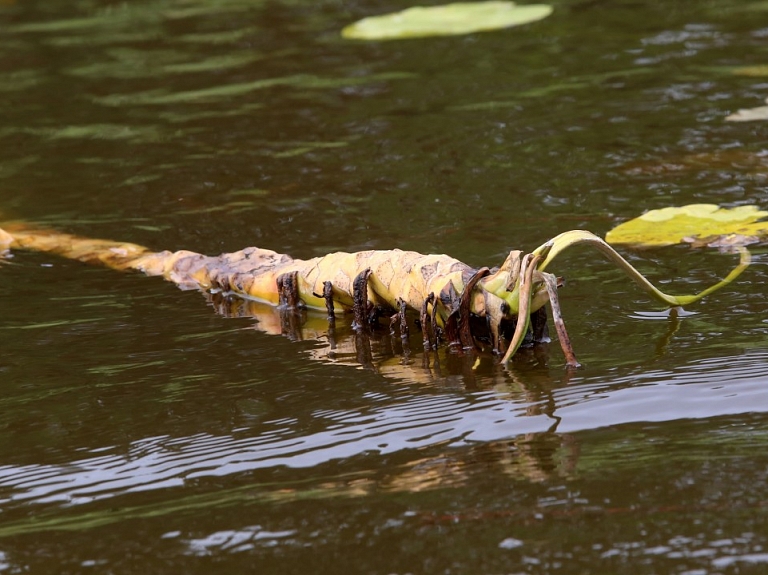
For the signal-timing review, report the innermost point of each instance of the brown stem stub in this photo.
(465, 334)
(288, 290)
(427, 327)
(393, 321)
(436, 331)
(360, 299)
(291, 306)
(404, 333)
(328, 297)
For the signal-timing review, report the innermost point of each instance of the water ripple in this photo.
(706, 389)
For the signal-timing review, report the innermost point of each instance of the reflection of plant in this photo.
(454, 302)
(534, 457)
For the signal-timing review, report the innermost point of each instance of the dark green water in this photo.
(142, 432)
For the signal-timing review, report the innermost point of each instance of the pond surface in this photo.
(143, 432)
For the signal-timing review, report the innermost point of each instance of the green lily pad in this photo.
(697, 224)
(445, 20)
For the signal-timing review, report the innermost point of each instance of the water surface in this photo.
(142, 431)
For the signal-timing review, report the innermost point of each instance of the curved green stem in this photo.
(553, 247)
(525, 289)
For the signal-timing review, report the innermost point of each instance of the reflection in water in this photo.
(235, 541)
(532, 456)
(165, 462)
(128, 63)
(302, 81)
(463, 436)
(382, 351)
(162, 463)
(404, 359)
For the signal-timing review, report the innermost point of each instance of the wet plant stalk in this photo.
(445, 293)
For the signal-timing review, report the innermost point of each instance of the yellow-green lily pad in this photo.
(445, 20)
(697, 224)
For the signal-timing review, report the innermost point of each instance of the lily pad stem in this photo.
(575, 237)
